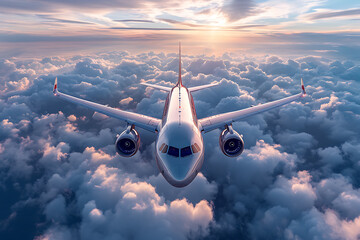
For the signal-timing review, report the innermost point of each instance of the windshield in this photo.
(183, 152)
(186, 151)
(195, 148)
(173, 151)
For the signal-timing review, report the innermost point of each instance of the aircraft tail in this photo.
(179, 83)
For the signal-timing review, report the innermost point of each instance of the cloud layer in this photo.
(298, 177)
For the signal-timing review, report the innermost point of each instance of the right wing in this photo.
(166, 89)
(139, 120)
(218, 121)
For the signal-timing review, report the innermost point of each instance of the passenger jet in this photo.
(179, 144)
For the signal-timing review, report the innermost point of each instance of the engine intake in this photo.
(128, 142)
(231, 143)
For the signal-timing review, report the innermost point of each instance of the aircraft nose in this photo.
(179, 172)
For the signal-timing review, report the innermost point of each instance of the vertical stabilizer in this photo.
(179, 80)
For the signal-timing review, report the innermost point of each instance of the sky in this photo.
(40, 27)
(60, 175)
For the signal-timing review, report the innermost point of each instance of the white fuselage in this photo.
(179, 146)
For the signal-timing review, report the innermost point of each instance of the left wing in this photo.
(220, 120)
(139, 120)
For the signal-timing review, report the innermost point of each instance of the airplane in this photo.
(179, 144)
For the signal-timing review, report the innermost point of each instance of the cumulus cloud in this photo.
(298, 177)
(126, 101)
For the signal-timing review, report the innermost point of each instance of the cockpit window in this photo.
(195, 148)
(164, 150)
(173, 151)
(186, 151)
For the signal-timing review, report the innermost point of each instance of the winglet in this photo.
(303, 87)
(55, 87)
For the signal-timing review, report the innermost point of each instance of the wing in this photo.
(139, 120)
(218, 121)
(166, 89)
(197, 88)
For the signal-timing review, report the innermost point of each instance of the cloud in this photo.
(298, 176)
(295, 194)
(137, 202)
(238, 9)
(54, 6)
(126, 101)
(49, 17)
(204, 27)
(333, 14)
(172, 21)
(134, 20)
(206, 67)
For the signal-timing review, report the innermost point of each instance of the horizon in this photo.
(326, 28)
(297, 178)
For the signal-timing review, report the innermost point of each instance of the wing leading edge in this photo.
(210, 123)
(139, 120)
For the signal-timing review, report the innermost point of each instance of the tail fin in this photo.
(179, 80)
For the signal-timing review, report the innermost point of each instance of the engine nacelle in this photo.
(231, 143)
(128, 142)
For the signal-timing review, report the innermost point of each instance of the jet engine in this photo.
(128, 142)
(231, 142)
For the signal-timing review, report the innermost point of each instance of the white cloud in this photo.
(126, 101)
(297, 177)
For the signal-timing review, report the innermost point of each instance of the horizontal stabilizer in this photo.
(167, 89)
(197, 88)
